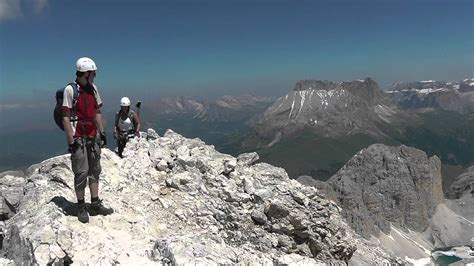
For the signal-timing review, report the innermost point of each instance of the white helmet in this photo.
(125, 101)
(85, 64)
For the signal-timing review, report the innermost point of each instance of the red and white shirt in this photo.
(86, 110)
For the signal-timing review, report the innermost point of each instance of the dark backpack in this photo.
(58, 110)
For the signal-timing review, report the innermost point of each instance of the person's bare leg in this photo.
(80, 195)
(97, 207)
(94, 187)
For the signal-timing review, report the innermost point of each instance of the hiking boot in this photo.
(82, 215)
(98, 208)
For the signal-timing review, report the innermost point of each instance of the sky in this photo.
(199, 48)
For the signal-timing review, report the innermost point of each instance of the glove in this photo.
(103, 139)
(137, 133)
(73, 147)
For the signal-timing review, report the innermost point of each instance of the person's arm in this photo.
(66, 110)
(99, 118)
(67, 126)
(100, 121)
(137, 121)
(116, 124)
(98, 114)
(100, 124)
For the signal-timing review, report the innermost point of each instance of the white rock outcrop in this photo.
(179, 201)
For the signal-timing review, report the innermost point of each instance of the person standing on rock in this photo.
(85, 134)
(127, 123)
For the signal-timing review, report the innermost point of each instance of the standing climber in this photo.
(85, 134)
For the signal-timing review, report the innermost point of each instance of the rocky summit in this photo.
(179, 201)
(382, 185)
(393, 195)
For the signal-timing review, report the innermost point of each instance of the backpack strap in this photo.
(130, 114)
(75, 96)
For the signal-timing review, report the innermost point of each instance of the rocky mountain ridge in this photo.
(462, 186)
(319, 125)
(327, 108)
(381, 185)
(455, 96)
(394, 194)
(225, 108)
(334, 109)
(179, 201)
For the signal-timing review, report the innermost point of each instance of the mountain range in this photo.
(455, 96)
(316, 127)
(223, 122)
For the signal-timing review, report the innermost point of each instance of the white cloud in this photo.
(6, 107)
(10, 10)
(40, 6)
(17, 9)
(16, 106)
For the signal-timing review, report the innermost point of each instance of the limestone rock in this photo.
(464, 184)
(190, 213)
(247, 158)
(11, 192)
(151, 134)
(382, 185)
(229, 165)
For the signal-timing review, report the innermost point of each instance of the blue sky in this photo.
(229, 47)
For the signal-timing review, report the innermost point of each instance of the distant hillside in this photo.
(455, 96)
(223, 122)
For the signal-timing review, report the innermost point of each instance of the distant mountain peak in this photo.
(328, 107)
(315, 84)
(312, 84)
(367, 89)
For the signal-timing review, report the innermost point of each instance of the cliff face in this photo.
(463, 185)
(11, 187)
(394, 196)
(382, 185)
(178, 200)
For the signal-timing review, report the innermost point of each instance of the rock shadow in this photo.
(68, 208)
